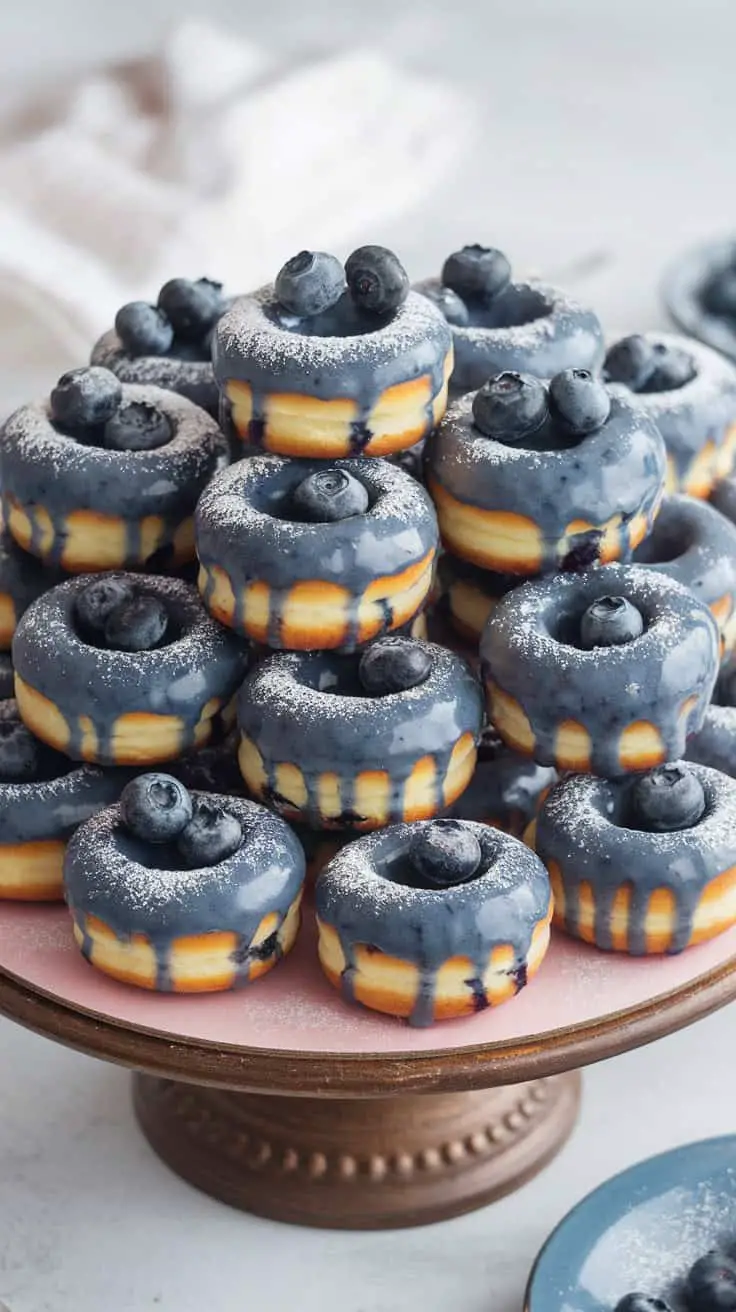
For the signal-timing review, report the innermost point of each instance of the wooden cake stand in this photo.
(283, 1100)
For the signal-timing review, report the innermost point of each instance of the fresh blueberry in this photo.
(191, 307)
(630, 361)
(711, 1284)
(19, 750)
(673, 368)
(610, 622)
(477, 273)
(394, 664)
(155, 807)
(510, 406)
(328, 495)
(95, 603)
(143, 329)
(137, 624)
(579, 401)
(212, 835)
(377, 279)
(719, 294)
(310, 283)
(445, 852)
(668, 798)
(86, 397)
(138, 426)
(447, 301)
(642, 1303)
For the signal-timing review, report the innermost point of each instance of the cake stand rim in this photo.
(289, 1072)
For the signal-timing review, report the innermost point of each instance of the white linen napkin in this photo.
(207, 159)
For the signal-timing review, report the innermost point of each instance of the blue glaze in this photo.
(641, 1230)
(140, 888)
(530, 327)
(40, 466)
(529, 650)
(683, 288)
(620, 469)
(702, 410)
(715, 742)
(348, 356)
(694, 544)
(506, 788)
(365, 893)
(243, 526)
(584, 827)
(306, 708)
(201, 661)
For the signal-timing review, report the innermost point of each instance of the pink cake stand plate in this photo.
(282, 1099)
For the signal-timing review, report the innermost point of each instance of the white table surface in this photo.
(605, 129)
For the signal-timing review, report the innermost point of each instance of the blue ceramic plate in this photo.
(642, 1231)
(682, 288)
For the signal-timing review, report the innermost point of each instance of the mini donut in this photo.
(715, 742)
(506, 789)
(22, 580)
(37, 816)
(431, 953)
(193, 379)
(345, 385)
(697, 419)
(544, 504)
(322, 752)
(471, 594)
(612, 709)
(688, 288)
(631, 890)
(119, 707)
(531, 327)
(142, 917)
(693, 543)
(84, 507)
(306, 586)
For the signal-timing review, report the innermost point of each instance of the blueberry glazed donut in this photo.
(106, 475)
(169, 344)
(529, 478)
(43, 797)
(22, 580)
(183, 892)
(498, 324)
(690, 393)
(308, 555)
(123, 669)
(432, 921)
(506, 789)
(609, 671)
(470, 594)
(693, 543)
(311, 367)
(346, 742)
(644, 865)
(715, 742)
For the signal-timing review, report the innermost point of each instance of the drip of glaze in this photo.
(52, 556)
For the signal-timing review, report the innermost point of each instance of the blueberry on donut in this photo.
(529, 477)
(498, 324)
(43, 797)
(184, 893)
(123, 669)
(312, 555)
(360, 741)
(106, 475)
(642, 865)
(329, 363)
(695, 544)
(690, 393)
(432, 920)
(608, 671)
(168, 344)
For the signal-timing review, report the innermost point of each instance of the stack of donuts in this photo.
(415, 595)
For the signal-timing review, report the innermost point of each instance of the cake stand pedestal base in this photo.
(372, 1163)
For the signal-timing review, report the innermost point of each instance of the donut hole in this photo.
(93, 436)
(620, 810)
(398, 867)
(516, 306)
(334, 675)
(344, 319)
(190, 352)
(156, 857)
(564, 625)
(96, 637)
(669, 539)
(274, 495)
